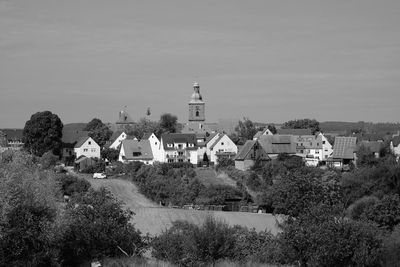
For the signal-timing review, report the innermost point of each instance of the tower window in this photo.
(197, 113)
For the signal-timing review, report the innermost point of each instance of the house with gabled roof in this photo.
(266, 131)
(177, 147)
(220, 145)
(135, 150)
(344, 152)
(266, 147)
(155, 145)
(71, 134)
(395, 146)
(116, 139)
(87, 147)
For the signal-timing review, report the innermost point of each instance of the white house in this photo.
(134, 150)
(177, 147)
(220, 145)
(327, 148)
(395, 146)
(117, 138)
(155, 146)
(87, 147)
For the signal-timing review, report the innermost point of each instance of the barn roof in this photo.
(344, 147)
(245, 149)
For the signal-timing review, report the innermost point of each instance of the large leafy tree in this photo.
(302, 124)
(168, 123)
(246, 130)
(98, 131)
(43, 132)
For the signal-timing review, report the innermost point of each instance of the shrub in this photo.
(48, 160)
(71, 185)
(96, 226)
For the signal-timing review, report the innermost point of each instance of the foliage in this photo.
(110, 154)
(96, 226)
(27, 213)
(391, 247)
(272, 128)
(98, 131)
(43, 132)
(385, 212)
(302, 124)
(298, 191)
(365, 157)
(168, 123)
(98, 166)
(224, 162)
(48, 160)
(245, 130)
(187, 244)
(71, 185)
(144, 126)
(321, 237)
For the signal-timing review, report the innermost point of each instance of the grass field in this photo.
(209, 176)
(152, 218)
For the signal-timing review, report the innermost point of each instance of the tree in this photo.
(168, 123)
(302, 124)
(322, 237)
(144, 126)
(98, 131)
(48, 160)
(110, 153)
(272, 128)
(246, 130)
(96, 226)
(43, 132)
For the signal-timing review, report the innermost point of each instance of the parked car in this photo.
(99, 175)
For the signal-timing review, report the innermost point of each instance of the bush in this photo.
(48, 160)
(187, 244)
(71, 185)
(224, 163)
(96, 226)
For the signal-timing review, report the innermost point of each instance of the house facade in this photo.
(220, 146)
(11, 139)
(87, 147)
(395, 146)
(177, 147)
(135, 150)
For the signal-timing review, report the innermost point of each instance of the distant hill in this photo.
(368, 127)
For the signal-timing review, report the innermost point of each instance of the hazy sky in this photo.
(271, 61)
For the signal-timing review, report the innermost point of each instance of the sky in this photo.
(270, 61)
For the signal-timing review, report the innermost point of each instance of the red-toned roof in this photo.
(344, 147)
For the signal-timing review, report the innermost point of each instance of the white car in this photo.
(99, 175)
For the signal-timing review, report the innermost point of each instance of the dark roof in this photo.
(245, 149)
(179, 138)
(309, 141)
(370, 137)
(13, 134)
(142, 149)
(396, 140)
(373, 146)
(211, 136)
(344, 147)
(277, 144)
(258, 134)
(81, 141)
(216, 141)
(294, 131)
(72, 132)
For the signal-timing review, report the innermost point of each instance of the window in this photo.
(323, 142)
(85, 150)
(180, 146)
(317, 144)
(170, 160)
(180, 153)
(93, 149)
(197, 113)
(155, 143)
(169, 145)
(316, 152)
(90, 142)
(222, 143)
(136, 154)
(180, 160)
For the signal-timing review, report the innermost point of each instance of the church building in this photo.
(196, 105)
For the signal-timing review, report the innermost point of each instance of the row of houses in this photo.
(174, 147)
(11, 139)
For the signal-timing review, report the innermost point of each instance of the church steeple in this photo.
(196, 105)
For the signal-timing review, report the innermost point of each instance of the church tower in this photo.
(196, 105)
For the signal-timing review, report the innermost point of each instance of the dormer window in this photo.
(170, 145)
(136, 154)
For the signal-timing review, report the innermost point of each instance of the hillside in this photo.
(151, 218)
